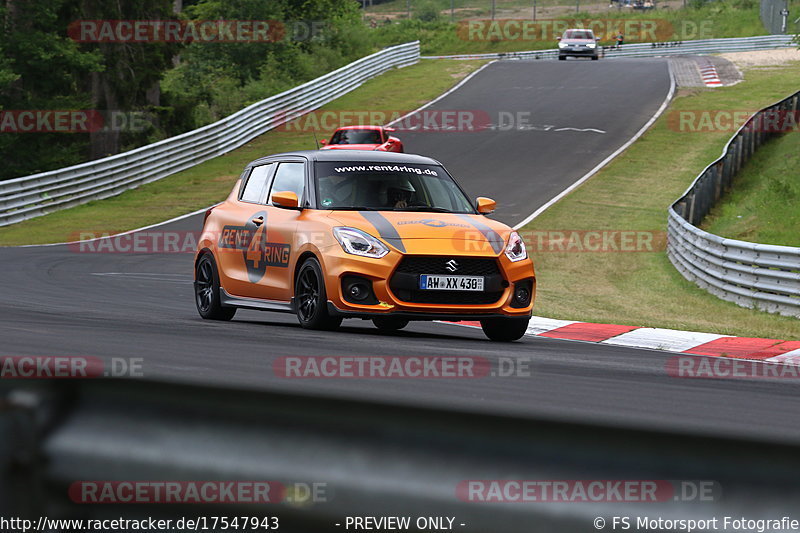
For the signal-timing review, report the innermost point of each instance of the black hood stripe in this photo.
(491, 235)
(386, 230)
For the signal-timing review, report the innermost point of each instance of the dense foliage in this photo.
(168, 87)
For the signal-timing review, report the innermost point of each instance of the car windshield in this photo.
(578, 34)
(365, 186)
(356, 137)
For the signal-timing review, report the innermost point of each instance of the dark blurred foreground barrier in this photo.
(761, 276)
(374, 460)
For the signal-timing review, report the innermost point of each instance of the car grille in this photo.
(467, 266)
(411, 266)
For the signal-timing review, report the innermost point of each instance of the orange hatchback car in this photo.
(383, 236)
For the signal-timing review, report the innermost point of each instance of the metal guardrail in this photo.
(752, 275)
(705, 46)
(372, 458)
(39, 194)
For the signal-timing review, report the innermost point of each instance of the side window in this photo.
(254, 188)
(289, 177)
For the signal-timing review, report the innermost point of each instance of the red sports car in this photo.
(363, 138)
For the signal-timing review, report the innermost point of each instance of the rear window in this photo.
(357, 137)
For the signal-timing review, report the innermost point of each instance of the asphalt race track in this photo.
(551, 122)
(56, 301)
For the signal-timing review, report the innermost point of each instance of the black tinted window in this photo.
(357, 137)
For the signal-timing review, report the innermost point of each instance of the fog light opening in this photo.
(358, 290)
(523, 293)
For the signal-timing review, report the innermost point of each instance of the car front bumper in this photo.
(381, 273)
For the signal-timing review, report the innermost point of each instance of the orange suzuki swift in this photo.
(383, 236)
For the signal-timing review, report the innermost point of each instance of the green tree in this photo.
(41, 69)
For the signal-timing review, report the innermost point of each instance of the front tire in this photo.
(311, 300)
(505, 329)
(206, 291)
(388, 323)
(562, 58)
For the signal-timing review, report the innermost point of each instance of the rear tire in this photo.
(311, 300)
(562, 58)
(595, 58)
(505, 329)
(206, 291)
(388, 323)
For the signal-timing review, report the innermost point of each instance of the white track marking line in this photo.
(540, 324)
(187, 215)
(788, 358)
(671, 340)
(443, 95)
(607, 160)
(147, 276)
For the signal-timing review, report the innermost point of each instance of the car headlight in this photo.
(562, 45)
(516, 250)
(591, 45)
(356, 242)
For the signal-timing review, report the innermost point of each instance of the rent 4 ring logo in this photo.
(633, 30)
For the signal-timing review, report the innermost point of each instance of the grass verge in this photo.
(763, 204)
(632, 193)
(210, 182)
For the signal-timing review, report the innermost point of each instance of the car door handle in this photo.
(258, 221)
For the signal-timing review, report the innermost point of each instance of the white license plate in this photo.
(430, 282)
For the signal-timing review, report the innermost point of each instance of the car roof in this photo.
(352, 155)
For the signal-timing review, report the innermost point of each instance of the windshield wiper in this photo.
(356, 208)
(429, 208)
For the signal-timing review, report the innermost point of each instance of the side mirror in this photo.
(558, 38)
(485, 205)
(323, 142)
(285, 199)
